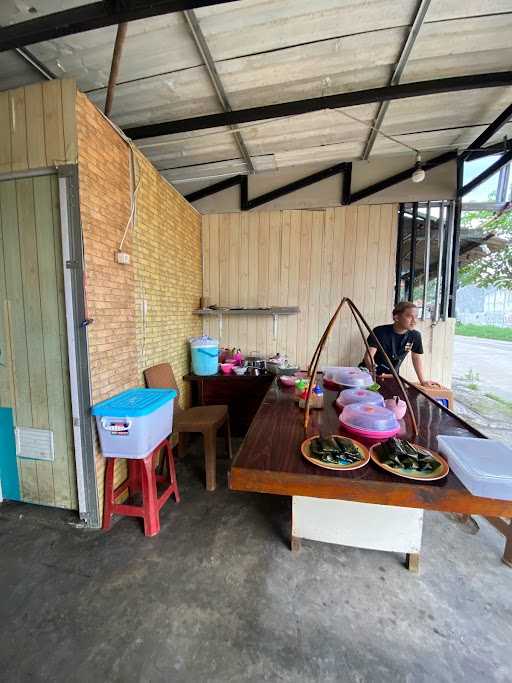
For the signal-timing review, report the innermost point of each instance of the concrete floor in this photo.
(218, 596)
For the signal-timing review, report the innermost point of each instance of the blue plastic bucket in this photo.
(205, 355)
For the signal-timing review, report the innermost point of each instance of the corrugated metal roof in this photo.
(269, 51)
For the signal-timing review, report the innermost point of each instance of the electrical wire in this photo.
(377, 130)
(133, 201)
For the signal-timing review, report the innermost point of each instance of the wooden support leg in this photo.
(504, 526)
(133, 477)
(149, 497)
(210, 459)
(507, 553)
(227, 434)
(412, 562)
(172, 471)
(108, 500)
(182, 444)
(295, 544)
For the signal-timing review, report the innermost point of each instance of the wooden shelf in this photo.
(275, 310)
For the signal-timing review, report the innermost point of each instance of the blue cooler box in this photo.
(133, 423)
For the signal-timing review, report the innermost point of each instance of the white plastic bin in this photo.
(484, 466)
(133, 423)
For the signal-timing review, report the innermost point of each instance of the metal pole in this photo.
(503, 178)
(448, 261)
(412, 255)
(209, 63)
(440, 241)
(426, 262)
(114, 68)
(416, 25)
(399, 247)
(456, 240)
(346, 184)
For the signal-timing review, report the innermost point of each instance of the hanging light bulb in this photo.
(418, 175)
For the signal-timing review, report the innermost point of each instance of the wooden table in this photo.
(242, 394)
(269, 460)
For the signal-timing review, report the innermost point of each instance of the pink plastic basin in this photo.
(367, 434)
(226, 368)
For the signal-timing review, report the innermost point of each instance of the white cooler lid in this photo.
(482, 458)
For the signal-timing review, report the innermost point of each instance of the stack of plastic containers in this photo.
(369, 421)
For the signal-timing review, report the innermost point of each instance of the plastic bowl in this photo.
(348, 396)
(287, 380)
(369, 420)
(239, 370)
(226, 368)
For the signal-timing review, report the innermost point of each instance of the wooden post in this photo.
(114, 68)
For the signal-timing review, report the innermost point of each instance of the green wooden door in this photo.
(34, 374)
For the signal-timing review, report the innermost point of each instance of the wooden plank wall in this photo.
(438, 348)
(309, 259)
(38, 126)
(34, 374)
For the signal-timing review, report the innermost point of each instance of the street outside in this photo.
(482, 384)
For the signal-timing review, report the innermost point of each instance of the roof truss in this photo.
(89, 17)
(339, 101)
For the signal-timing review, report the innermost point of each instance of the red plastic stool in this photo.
(141, 477)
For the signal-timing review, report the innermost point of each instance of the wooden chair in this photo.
(206, 420)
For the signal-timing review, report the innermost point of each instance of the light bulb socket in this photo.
(418, 175)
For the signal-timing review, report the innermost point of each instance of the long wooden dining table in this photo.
(366, 507)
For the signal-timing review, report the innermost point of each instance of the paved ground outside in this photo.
(482, 382)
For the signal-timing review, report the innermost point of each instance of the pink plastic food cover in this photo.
(349, 396)
(369, 417)
(348, 377)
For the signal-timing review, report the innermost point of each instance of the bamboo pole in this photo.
(358, 317)
(324, 336)
(390, 365)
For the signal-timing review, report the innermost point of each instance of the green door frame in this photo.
(73, 262)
